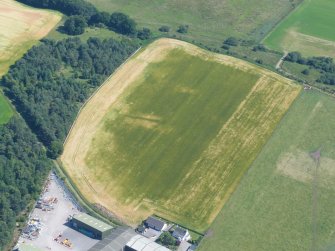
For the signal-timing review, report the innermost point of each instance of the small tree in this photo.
(293, 57)
(100, 18)
(167, 239)
(305, 72)
(183, 29)
(164, 28)
(75, 25)
(232, 41)
(144, 34)
(56, 149)
(122, 23)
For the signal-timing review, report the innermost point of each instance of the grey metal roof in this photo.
(180, 231)
(155, 223)
(92, 222)
(116, 241)
(141, 243)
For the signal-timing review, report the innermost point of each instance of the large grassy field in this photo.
(309, 29)
(282, 203)
(210, 21)
(21, 27)
(176, 141)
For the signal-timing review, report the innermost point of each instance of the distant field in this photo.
(274, 207)
(174, 136)
(5, 110)
(210, 21)
(309, 29)
(20, 28)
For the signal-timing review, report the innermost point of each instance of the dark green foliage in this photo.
(259, 47)
(324, 65)
(232, 41)
(327, 78)
(164, 28)
(117, 22)
(225, 47)
(75, 25)
(55, 149)
(259, 61)
(100, 18)
(68, 7)
(144, 34)
(50, 83)
(167, 239)
(183, 29)
(122, 23)
(23, 168)
(293, 57)
(305, 72)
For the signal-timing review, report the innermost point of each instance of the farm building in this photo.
(91, 226)
(155, 224)
(181, 234)
(141, 243)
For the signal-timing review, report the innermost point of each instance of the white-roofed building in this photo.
(141, 243)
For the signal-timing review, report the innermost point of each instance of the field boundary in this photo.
(82, 201)
(283, 19)
(89, 118)
(93, 94)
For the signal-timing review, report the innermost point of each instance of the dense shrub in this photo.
(164, 28)
(75, 25)
(144, 34)
(49, 84)
(231, 41)
(23, 169)
(122, 23)
(183, 29)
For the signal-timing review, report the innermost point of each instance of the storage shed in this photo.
(91, 226)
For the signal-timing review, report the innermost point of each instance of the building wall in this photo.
(88, 230)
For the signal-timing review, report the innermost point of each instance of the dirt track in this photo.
(92, 115)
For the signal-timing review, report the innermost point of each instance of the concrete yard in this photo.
(53, 223)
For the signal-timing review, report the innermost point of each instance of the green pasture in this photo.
(282, 203)
(5, 110)
(309, 29)
(210, 22)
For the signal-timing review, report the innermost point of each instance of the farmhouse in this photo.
(181, 234)
(155, 224)
(141, 243)
(91, 226)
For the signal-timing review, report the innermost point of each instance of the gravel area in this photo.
(53, 223)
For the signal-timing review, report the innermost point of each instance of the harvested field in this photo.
(309, 30)
(21, 27)
(286, 201)
(173, 131)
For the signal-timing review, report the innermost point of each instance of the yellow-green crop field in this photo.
(176, 140)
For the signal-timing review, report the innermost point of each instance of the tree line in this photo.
(23, 169)
(82, 14)
(324, 65)
(51, 82)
